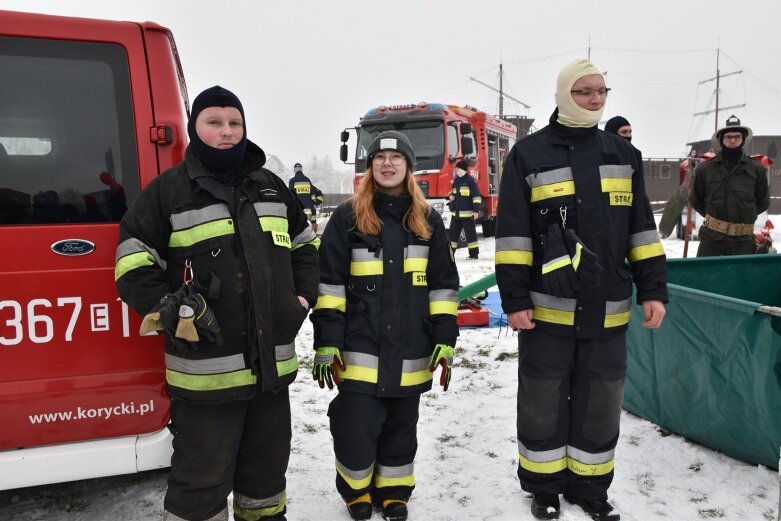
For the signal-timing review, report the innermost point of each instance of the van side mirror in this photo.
(343, 150)
(466, 128)
(345, 136)
(466, 145)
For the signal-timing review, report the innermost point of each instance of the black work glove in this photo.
(197, 320)
(164, 316)
(558, 274)
(584, 261)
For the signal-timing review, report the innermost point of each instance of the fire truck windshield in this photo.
(427, 138)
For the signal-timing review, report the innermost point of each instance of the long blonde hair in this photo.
(367, 220)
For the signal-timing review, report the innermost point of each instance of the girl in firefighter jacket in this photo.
(385, 318)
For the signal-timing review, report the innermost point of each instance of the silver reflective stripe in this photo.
(416, 252)
(513, 243)
(355, 474)
(590, 458)
(364, 255)
(438, 295)
(249, 503)
(542, 456)
(360, 359)
(130, 246)
(304, 237)
(551, 302)
(551, 176)
(641, 238)
(190, 218)
(270, 209)
(413, 366)
(401, 471)
(615, 171)
(332, 290)
(613, 307)
(285, 351)
(224, 364)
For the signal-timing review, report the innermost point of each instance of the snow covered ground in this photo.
(467, 455)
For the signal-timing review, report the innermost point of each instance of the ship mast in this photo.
(717, 78)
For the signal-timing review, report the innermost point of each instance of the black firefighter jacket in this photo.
(385, 301)
(466, 197)
(304, 190)
(592, 180)
(252, 252)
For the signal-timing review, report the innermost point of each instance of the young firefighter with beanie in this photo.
(572, 212)
(385, 318)
(306, 193)
(465, 206)
(730, 191)
(217, 253)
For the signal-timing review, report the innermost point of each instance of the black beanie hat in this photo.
(391, 140)
(614, 123)
(219, 160)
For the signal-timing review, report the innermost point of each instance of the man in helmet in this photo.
(730, 190)
(305, 191)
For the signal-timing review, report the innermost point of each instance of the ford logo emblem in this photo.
(73, 247)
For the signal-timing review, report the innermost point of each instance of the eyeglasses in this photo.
(733, 137)
(395, 159)
(588, 93)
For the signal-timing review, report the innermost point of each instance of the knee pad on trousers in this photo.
(603, 411)
(538, 407)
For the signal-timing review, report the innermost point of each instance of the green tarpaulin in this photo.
(712, 372)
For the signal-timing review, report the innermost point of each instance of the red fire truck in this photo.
(441, 135)
(92, 111)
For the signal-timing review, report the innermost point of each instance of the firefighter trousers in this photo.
(570, 392)
(470, 231)
(375, 441)
(241, 446)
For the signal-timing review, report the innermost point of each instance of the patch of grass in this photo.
(464, 501)
(309, 428)
(491, 454)
(711, 512)
(696, 466)
(470, 364)
(645, 483)
(484, 352)
(507, 356)
(446, 438)
(699, 498)
(633, 440)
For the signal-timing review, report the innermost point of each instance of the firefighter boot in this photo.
(394, 510)
(597, 509)
(545, 506)
(360, 507)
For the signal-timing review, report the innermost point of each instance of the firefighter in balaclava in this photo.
(572, 211)
(306, 192)
(217, 255)
(465, 203)
(730, 191)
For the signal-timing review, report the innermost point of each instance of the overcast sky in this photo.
(306, 69)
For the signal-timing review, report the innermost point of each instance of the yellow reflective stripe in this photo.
(645, 251)
(130, 262)
(314, 242)
(555, 316)
(404, 481)
(555, 264)
(618, 319)
(584, 469)
(616, 184)
(258, 513)
(547, 467)
(329, 302)
(210, 382)
(355, 484)
(416, 378)
(200, 233)
(366, 268)
(559, 189)
(356, 372)
(465, 213)
(442, 307)
(273, 224)
(287, 366)
(513, 257)
(415, 264)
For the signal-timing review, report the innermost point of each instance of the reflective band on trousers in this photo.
(578, 461)
(252, 509)
(401, 476)
(514, 250)
(356, 479)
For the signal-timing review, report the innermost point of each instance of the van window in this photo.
(67, 137)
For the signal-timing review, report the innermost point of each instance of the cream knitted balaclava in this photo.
(570, 114)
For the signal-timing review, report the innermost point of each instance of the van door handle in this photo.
(161, 134)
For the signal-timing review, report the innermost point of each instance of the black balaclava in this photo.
(732, 155)
(221, 161)
(615, 123)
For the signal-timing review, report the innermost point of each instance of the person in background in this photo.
(217, 254)
(465, 202)
(572, 211)
(317, 202)
(619, 126)
(385, 319)
(730, 191)
(305, 191)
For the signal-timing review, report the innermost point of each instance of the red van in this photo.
(90, 111)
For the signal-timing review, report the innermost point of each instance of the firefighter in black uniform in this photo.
(465, 202)
(385, 318)
(306, 193)
(572, 211)
(218, 253)
(730, 191)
